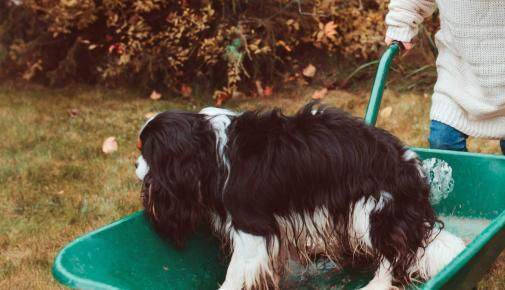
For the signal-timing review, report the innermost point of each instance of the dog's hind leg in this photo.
(383, 278)
(442, 248)
(252, 262)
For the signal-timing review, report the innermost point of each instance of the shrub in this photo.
(170, 44)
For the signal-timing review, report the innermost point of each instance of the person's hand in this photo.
(407, 45)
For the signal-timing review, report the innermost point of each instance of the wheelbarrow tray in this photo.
(128, 254)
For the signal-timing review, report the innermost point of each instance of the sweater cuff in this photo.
(404, 34)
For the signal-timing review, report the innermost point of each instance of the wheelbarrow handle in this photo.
(380, 82)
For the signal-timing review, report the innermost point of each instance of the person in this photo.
(469, 94)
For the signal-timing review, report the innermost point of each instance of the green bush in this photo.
(170, 44)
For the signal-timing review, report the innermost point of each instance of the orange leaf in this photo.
(221, 98)
(283, 44)
(155, 95)
(186, 91)
(330, 29)
(269, 91)
(309, 71)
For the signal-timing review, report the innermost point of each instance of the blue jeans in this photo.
(443, 136)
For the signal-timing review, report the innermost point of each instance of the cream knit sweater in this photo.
(469, 94)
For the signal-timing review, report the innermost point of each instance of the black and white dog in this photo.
(277, 187)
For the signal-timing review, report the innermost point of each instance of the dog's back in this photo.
(326, 162)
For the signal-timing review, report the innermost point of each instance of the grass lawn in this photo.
(56, 183)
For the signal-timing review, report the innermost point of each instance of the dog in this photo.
(276, 187)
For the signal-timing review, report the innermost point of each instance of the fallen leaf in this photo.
(269, 91)
(386, 112)
(109, 145)
(155, 95)
(72, 113)
(319, 94)
(186, 91)
(149, 115)
(309, 71)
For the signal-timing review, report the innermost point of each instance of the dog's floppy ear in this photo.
(173, 146)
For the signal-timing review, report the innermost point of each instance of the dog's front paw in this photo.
(376, 284)
(228, 286)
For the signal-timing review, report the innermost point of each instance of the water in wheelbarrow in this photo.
(464, 227)
(323, 274)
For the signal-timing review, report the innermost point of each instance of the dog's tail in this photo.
(407, 222)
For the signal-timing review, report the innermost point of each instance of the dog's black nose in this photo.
(136, 164)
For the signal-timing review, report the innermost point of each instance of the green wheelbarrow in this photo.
(128, 254)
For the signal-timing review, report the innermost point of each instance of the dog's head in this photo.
(174, 156)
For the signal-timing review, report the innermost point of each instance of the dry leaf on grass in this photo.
(309, 71)
(72, 113)
(149, 115)
(386, 112)
(319, 94)
(269, 91)
(155, 95)
(109, 145)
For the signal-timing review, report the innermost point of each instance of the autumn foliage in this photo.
(174, 44)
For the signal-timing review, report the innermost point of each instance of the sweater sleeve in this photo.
(404, 17)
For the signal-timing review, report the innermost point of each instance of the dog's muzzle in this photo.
(141, 168)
